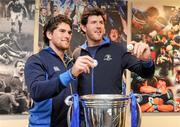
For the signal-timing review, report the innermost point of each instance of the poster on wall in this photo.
(158, 25)
(16, 45)
(116, 17)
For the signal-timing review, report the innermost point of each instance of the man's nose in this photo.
(67, 34)
(98, 24)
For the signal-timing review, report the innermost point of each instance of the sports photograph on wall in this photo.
(16, 45)
(116, 17)
(158, 25)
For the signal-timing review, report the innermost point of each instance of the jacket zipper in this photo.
(69, 83)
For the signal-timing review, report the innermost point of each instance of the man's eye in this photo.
(63, 31)
(93, 22)
(102, 22)
(69, 32)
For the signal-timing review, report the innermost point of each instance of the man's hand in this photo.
(141, 50)
(82, 65)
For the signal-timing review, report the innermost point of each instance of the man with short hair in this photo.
(48, 75)
(112, 58)
(17, 10)
(7, 101)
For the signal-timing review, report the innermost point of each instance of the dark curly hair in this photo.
(91, 12)
(52, 24)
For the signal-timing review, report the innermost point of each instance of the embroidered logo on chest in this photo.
(107, 57)
(56, 68)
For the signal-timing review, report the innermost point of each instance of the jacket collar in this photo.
(106, 41)
(67, 58)
(50, 50)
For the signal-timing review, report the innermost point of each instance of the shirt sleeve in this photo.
(148, 64)
(66, 77)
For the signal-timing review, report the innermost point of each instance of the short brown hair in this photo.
(90, 12)
(152, 11)
(52, 24)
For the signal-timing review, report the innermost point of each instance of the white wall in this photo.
(13, 120)
(161, 120)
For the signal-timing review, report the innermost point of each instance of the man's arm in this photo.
(12, 99)
(25, 10)
(138, 60)
(9, 6)
(38, 84)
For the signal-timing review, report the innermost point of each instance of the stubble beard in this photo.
(95, 38)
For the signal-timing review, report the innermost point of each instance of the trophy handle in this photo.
(139, 115)
(68, 101)
(139, 111)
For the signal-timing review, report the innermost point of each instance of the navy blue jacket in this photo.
(113, 59)
(47, 90)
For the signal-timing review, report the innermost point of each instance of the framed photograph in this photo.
(158, 25)
(16, 45)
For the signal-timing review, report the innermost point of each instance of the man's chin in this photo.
(66, 47)
(98, 39)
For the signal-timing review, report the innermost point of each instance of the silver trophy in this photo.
(103, 110)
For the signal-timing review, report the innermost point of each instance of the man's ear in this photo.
(83, 28)
(49, 35)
